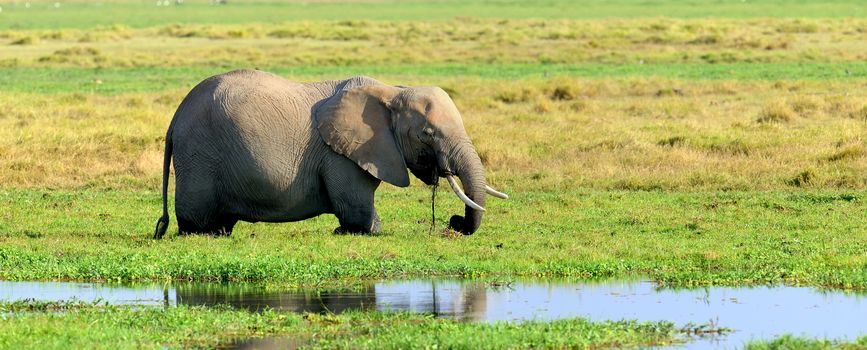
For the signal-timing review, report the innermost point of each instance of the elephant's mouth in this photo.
(425, 169)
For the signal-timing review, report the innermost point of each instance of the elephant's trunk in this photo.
(466, 164)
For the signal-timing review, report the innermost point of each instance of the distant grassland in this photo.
(113, 81)
(86, 14)
(467, 41)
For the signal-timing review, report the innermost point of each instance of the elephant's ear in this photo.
(357, 124)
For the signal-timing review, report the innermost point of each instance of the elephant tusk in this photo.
(469, 202)
(495, 193)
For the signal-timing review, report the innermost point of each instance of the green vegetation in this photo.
(681, 239)
(39, 325)
(83, 325)
(792, 342)
(114, 81)
(695, 143)
(86, 14)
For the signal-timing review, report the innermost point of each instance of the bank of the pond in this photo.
(118, 327)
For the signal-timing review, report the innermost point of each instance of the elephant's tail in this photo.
(163, 222)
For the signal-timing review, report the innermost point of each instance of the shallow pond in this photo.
(752, 312)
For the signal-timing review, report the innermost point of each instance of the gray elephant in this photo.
(253, 146)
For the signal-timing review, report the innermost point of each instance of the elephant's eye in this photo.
(428, 131)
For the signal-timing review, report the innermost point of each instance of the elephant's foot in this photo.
(374, 228)
(221, 232)
(215, 233)
(359, 225)
(220, 228)
(341, 230)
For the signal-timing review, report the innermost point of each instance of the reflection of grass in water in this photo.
(709, 330)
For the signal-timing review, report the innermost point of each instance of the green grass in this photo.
(38, 326)
(793, 342)
(682, 239)
(129, 80)
(78, 14)
(63, 325)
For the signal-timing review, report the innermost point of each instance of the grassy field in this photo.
(680, 239)
(115, 81)
(693, 143)
(85, 14)
(35, 325)
(790, 342)
(477, 41)
(65, 325)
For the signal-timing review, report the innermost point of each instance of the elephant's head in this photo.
(387, 129)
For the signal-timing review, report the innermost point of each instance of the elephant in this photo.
(252, 146)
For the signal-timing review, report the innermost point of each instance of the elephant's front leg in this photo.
(352, 191)
(358, 222)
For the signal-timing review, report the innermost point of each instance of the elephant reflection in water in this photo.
(465, 301)
(257, 299)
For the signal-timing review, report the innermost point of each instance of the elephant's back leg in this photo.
(198, 205)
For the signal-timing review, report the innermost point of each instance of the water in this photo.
(754, 313)
(58, 291)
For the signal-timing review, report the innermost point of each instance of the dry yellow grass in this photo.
(460, 40)
(552, 133)
(776, 112)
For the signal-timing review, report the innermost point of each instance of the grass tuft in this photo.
(803, 179)
(859, 113)
(776, 112)
(806, 105)
(27, 40)
(563, 93)
(515, 95)
(849, 152)
(672, 141)
(543, 105)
